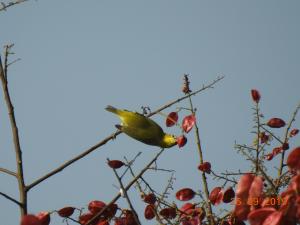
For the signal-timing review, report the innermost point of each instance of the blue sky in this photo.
(79, 56)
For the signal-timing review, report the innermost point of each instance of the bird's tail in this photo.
(112, 109)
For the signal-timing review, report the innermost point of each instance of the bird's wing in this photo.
(134, 119)
(147, 136)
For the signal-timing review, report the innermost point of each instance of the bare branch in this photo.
(4, 6)
(9, 172)
(10, 198)
(15, 132)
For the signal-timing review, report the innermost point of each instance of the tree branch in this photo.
(15, 132)
(11, 199)
(9, 172)
(4, 6)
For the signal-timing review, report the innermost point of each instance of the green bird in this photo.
(142, 128)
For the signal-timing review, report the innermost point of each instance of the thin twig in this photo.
(257, 137)
(4, 6)
(244, 146)
(273, 135)
(11, 199)
(114, 135)
(129, 163)
(15, 133)
(8, 172)
(221, 177)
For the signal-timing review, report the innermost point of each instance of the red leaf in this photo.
(150, 198)
(228, 195)
(30, 220)
(294, 132)
(256, 188)
(185, 194)
(84, 218)
(192, 221)
(193, 216)
(293, 160)
(216, 195)
(187, 208)
(115, 164)
(205, 167)
(44, 218)
(258, 216)
(172, 119)
(66, 211)
(274, 219)
(168, 213)
(249, 188)
(295, 184)
(277, 150)
(255, 95)
(104, 222)
(149, 212)
(188, 122)
(181, 141)
(111, 211)
(276, 123)
(120, 221)
(269, 156)
(235, 221)
(242, 209)
(129, 217)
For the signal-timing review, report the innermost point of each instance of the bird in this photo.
(142, 128)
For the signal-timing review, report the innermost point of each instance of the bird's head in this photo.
(168, 141)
